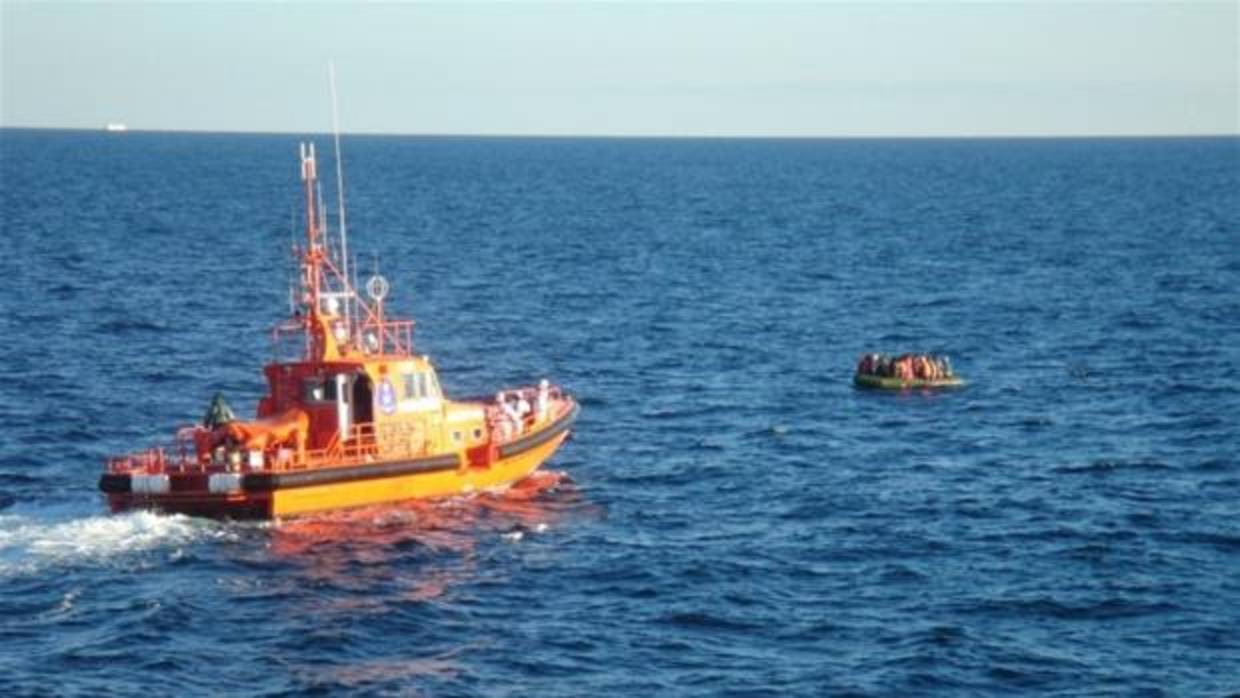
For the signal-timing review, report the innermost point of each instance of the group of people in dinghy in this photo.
(906, 366)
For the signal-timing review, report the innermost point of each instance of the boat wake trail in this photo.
(29, 544)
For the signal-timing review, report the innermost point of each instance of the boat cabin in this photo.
(369, 396)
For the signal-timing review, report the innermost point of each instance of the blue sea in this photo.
(731, 517)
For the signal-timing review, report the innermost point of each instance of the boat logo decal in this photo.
(387, 397)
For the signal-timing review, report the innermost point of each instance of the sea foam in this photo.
(29, 543)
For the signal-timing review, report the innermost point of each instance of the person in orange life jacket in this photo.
(904, 367)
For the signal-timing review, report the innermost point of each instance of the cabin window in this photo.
(312, 390)
(320, 389)
(418, 385)
(477, 433)
(456, 436)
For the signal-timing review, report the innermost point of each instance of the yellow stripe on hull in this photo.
(444, 483)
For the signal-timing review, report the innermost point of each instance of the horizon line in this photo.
(630, 136)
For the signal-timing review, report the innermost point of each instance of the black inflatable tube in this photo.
(269, 482)
(115, 483)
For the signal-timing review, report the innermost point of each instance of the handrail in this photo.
(364, 443)
(396, 335)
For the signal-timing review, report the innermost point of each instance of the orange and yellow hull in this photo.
(266, 495)
(442, 483)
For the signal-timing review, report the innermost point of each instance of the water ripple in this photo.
(739, 519)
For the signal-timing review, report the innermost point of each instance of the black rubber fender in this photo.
(115, 483)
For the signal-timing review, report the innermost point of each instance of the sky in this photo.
(978, 68)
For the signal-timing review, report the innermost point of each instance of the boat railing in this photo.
(179, 456)
(389, 337)
(517, 411)
(373, 338)
(531, 406)
(365, 443)
(152, 460)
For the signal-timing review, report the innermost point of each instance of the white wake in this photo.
(30, 544)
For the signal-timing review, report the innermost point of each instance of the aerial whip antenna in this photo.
(344, 235)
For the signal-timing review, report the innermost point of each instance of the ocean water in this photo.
(731, 517)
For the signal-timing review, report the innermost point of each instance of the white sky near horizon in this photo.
(628, 68)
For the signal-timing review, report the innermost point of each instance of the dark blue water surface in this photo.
(732, 517)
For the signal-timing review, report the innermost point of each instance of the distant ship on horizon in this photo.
(115, 126)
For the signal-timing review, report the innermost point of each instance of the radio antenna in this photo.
(344, 235)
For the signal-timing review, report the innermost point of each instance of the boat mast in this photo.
(312, 260)
(329, 277)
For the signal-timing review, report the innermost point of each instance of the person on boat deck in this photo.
(875, 364)
(903, 368)
(866, 365)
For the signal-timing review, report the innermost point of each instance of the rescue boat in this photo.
(352, 415)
